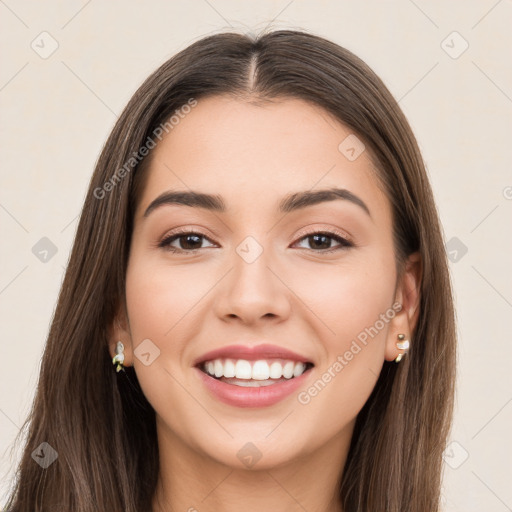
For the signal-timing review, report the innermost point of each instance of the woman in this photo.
(260, 257)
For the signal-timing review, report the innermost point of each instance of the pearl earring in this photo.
(119, 357)
(401, 344)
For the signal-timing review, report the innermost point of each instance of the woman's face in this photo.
(269, 270)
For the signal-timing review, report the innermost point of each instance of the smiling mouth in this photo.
(259, 373)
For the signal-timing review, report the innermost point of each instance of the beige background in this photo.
(58, 109)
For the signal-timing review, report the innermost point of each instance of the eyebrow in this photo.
(292, 202)
(213, 203)
(300, 200)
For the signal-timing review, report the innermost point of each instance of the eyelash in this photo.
(334, 235)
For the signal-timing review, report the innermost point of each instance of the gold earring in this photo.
(401, 344)
(119, 357)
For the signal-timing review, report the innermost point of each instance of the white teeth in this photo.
(217, 365)
(229, 368)
(298, 369)
(276, 370)
(260, 370)
(251, 383)
(243, 369)
(288, 370)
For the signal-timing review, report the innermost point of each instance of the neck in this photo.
(194, 482)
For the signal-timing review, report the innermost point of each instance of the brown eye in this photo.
(185, 242)
(323, 242)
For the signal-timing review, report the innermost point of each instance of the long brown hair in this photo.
(100, 423)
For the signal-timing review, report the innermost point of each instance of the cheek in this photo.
(159, 297)
(163, 306)
(161, 301)
(355, 302)
(350, 298)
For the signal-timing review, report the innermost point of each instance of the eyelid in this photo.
(324, 230)
(164, 241)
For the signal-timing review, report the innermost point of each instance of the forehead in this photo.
(253, 153)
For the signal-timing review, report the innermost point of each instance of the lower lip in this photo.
(262, 396)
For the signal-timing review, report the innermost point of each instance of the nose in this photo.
(253, 292)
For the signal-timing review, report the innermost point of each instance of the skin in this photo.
(293, 295)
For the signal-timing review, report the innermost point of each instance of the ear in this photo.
(119, 330)
(407, 295)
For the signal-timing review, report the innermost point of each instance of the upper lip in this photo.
(251, 353)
